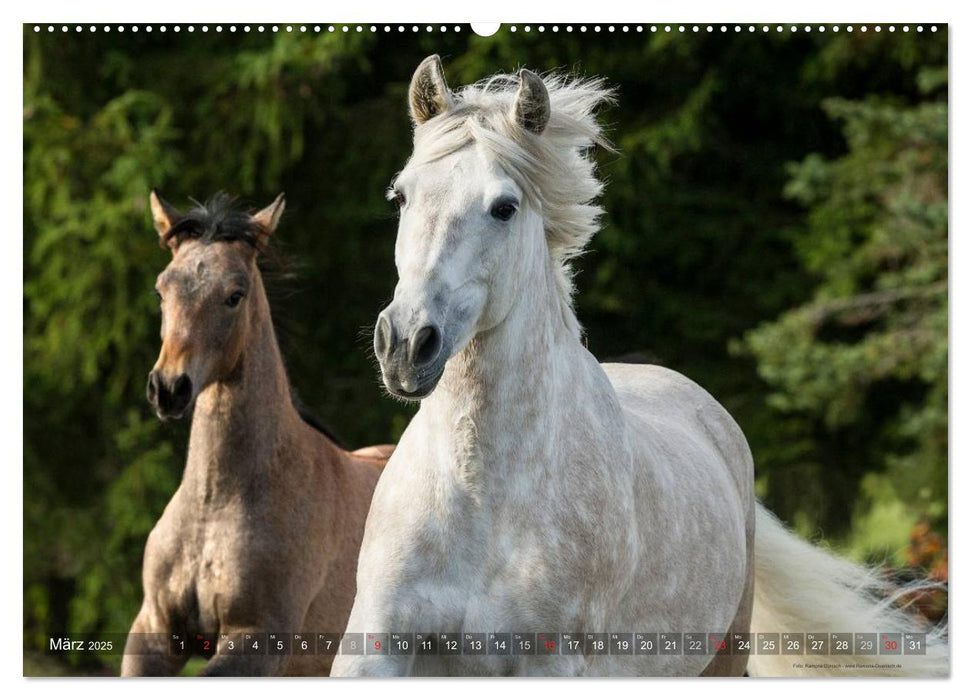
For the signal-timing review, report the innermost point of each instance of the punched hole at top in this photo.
(485, 28)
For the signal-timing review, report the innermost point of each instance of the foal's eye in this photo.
(504, 211)
(399, 199)
(234, 300)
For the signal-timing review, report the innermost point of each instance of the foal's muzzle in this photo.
(411, 362)
(169, 398)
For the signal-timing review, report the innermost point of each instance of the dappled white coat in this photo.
(529, 494)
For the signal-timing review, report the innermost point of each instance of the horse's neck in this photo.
(241, 425)
(498, 400)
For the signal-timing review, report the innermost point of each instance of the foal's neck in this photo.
(241, 424)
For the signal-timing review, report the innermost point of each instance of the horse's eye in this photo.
(158, 294)
(504, 211)
(234, 300)
(399, 199)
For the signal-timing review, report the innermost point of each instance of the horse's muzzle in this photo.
(411, 363)
(169, 398)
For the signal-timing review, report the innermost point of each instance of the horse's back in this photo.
(681, 436)
(379, 454)
(683, 414)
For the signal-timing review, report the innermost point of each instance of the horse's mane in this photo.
(313, 421)
(554, 169)
(218, 219)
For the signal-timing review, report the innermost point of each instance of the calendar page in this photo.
(448, 350)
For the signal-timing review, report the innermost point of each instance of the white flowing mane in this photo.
(554, 168)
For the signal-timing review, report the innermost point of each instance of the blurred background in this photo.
(776, 229)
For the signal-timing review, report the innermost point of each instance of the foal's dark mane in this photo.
(221, 220)
(218, 220)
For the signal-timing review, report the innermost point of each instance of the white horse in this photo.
(537, 490)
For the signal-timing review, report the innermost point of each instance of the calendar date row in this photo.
(510, 643)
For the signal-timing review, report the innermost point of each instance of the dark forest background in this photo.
(776, 229)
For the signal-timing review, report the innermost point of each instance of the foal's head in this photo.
(499, 176)
(208, 294)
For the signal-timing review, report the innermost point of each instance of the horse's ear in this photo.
(429, 95)
(532, 107)
(164, 216)
(269, 217)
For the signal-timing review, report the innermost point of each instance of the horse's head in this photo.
(207, 295)
(477, 200)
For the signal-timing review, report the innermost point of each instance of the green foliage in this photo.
(839, 262)
(867, 354)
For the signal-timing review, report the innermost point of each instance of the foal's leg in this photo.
(147, 650)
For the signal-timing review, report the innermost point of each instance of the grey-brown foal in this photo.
(264, 531)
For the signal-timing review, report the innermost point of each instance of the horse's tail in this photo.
(802, 588)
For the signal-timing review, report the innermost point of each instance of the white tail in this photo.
(803, 588)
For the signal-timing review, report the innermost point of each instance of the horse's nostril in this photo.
(384, 337)
(425, 346)
(181, 392)
(169, 398)
(151, 389)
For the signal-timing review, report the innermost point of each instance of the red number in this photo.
(890, 644)
(205, 645)
(377, 645)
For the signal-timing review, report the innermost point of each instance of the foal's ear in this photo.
(268, 218)
(164, 215)
(531, 109)
(429, 95)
